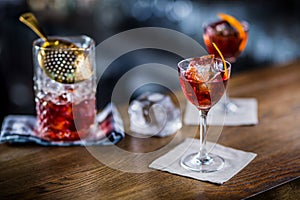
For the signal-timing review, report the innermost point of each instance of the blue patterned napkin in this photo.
(20, 129)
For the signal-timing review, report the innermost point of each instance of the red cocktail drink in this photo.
(203, 90)
(64, 120)
(226, 38)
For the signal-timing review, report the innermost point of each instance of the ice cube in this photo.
(221, 27)
(225, 29)
(155, 97)
(200, 69)
(193, 74)
(203, 60)
(154, 114)
(136, 113)
(210, 30)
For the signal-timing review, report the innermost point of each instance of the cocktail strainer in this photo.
(61, 60)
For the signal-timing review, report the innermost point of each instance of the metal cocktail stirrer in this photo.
(61, 60)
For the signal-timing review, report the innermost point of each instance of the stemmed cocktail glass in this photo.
(230, 40)
(203, 81)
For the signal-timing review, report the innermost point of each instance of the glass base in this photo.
(228, 104)
(231, 107)
(211, 163)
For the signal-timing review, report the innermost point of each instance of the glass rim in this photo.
(90, 42)
(218, 59)
(245, 23)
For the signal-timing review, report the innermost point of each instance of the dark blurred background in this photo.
(273, 37)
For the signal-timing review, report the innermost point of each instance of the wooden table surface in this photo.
(35, 172)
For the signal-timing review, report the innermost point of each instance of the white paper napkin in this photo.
(245, 115)
(235, 161)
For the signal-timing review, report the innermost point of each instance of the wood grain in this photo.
(34, 172)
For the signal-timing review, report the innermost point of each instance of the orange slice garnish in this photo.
(222, 57)
(238, 26)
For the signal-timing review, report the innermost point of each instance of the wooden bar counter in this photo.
(36, 172)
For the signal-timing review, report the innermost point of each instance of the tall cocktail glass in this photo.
(203, 81)
(229, 42)
(65, 88)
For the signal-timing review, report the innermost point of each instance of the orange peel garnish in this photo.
(222, 57)
(238, 26)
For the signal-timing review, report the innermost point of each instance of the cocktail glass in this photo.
(203, 81)
(229, 42)
(65, 104)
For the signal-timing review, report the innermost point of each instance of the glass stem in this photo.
(203, 155)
